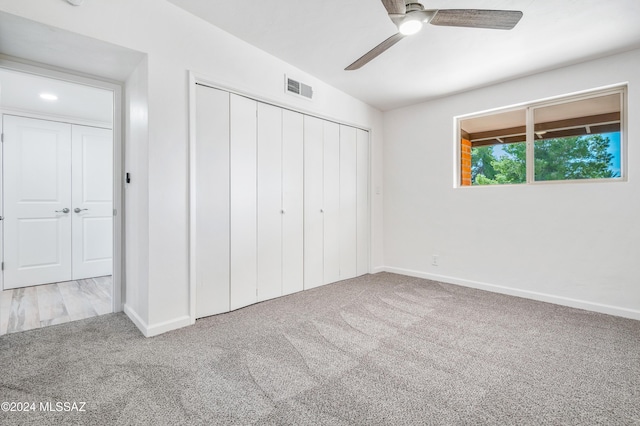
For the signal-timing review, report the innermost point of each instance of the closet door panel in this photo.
(331, 205)
(243, 244)
(292, 202)
(212, 201)
(348, 200)
(269, 202)
(363, 202)
(313, 202)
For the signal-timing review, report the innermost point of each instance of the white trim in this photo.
(45, 70)
(156, 329)
(136, 319)
(58, 118)
(2, 203)
(116, 88)
(529, 107)
(370, 201)
(549, 100)
(192, 198)
(529, 146)
(379, 269)
(527, 294)
(165, 326)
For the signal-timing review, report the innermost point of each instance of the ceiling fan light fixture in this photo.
(48, 97)
(410, 25)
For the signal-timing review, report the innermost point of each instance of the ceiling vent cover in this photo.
(297, 88)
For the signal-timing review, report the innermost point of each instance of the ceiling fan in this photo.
(409, 16)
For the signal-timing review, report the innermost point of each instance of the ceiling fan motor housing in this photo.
(414, 6)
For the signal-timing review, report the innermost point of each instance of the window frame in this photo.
(530, 108)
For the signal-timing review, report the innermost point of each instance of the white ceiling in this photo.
(21, 92)
(323, 37)
(23, 38)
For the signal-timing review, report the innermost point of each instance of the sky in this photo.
(614, 149)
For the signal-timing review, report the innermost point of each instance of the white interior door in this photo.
(243, 244)
(313, 199)
(92, 202)
(270, 211)
(37, 201)
(292, 202)
(212, 201)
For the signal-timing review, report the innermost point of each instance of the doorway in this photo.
(60, 199)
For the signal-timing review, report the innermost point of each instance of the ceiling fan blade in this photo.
(474, 18)
(395, 7)
(373, 53)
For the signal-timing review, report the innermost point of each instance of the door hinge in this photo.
(2, 268)
(115, 212)
(1, 137)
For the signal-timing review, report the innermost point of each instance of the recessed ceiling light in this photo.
(48, 96)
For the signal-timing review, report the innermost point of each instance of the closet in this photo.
(57, 198)
(281, 201)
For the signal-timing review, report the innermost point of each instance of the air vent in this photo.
(297, 88)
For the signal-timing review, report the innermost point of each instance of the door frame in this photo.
(116, 88)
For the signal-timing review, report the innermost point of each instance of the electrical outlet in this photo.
(434, 260)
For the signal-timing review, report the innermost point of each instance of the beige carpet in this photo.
(377, 350)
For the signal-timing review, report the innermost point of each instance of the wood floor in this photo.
(27, 308)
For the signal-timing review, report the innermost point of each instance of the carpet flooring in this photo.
(381, 349)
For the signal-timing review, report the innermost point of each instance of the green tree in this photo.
(510, 167)
(481, 159)
(577, 157)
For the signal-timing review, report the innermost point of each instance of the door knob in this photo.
(78, 209)
(65, 210)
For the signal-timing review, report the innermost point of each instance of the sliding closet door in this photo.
(292, 202)
(348, 199)
(270, 210)
(313, 200)
(331, 204)
(243, 201)
(282, 201)
(362, 202)
(212, 201)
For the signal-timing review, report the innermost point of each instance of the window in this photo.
(570, 139)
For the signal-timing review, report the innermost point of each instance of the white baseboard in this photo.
(163, 327)
(135, 318)
(379, 269)
(527, 294)
(156, 329)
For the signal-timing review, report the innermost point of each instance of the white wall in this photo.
(574, 244)
(136, 196)
(175, 42)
